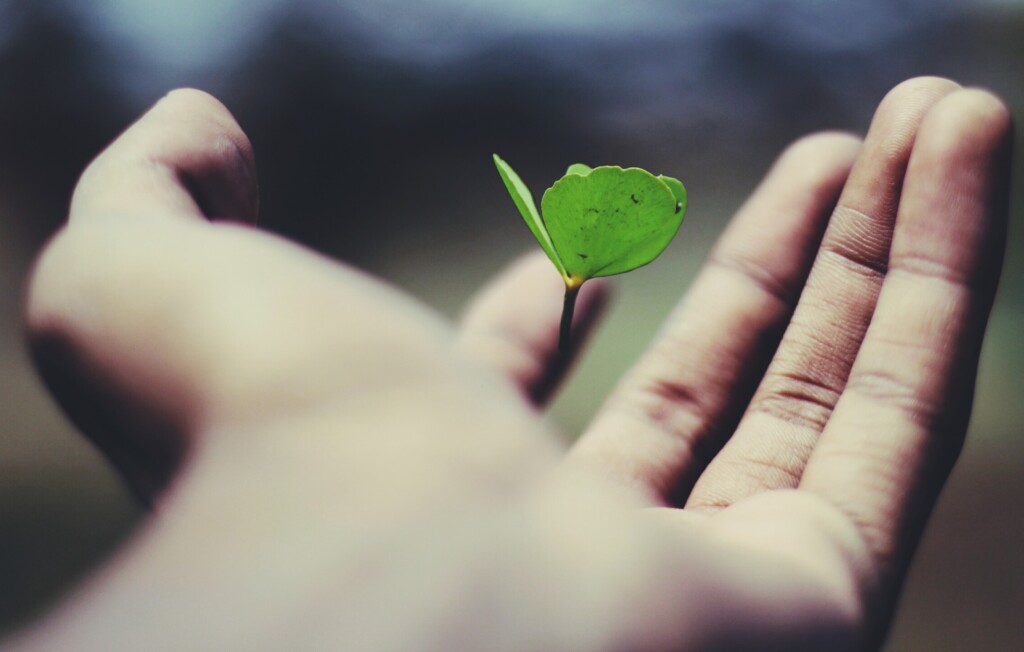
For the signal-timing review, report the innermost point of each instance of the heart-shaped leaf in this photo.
(610, 221)
(599, 222)
(580, 169)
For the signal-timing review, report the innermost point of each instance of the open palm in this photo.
(333, 467)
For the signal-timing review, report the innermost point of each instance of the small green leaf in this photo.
(610, 221)
(580, 169)
(677, 190)
(598, 222)
(523, 200)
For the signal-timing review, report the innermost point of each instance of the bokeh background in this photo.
(373, 124)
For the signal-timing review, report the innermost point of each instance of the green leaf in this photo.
(678, 190)
(610, 221)
(598, 222)
(580, 169)
(523, 200)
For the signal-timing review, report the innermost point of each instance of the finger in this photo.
(512, 325)
(185, 156)
(795, 399)
(901, 420)
(95, 346)
(150, 330)
(683, 398)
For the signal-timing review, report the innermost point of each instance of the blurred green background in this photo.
(373, 125)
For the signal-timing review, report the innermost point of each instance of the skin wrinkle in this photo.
(676, 412)
(797, 398)
(858, 239)
(766, 280)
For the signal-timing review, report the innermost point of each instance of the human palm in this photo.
(332, 466)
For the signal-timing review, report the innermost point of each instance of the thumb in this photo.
(186, 158)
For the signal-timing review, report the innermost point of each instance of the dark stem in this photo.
(568, 307)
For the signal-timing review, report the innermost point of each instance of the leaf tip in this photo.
(580, 169)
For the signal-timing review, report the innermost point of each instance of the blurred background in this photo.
(373, 124)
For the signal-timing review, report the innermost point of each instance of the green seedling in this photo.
(598, 222)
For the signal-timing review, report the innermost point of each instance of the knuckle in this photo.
(110, 278)
(857, 243)
(927, 267)
(797, 397)
(757, 274)
(888, 388)
(773, 468)
(671, 406)
(58, 280)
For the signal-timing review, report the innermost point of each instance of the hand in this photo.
(332, 467)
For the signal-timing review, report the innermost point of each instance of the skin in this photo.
(332, 466)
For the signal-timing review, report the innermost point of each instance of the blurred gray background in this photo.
(373, 124)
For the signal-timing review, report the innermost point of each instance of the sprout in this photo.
(599, 222)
